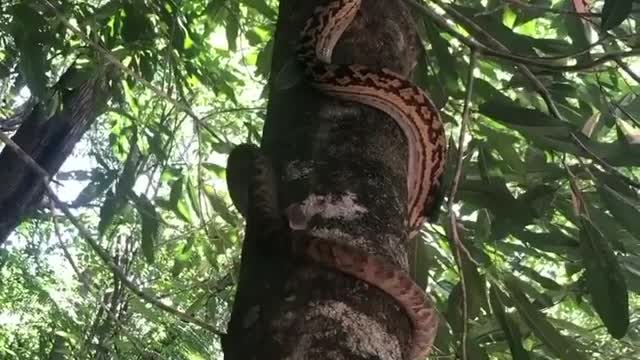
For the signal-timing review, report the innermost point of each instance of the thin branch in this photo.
(591, 65)
(601, 60)
(232, 110)
(552, 10)
(542, 90)
(24, 156)
(118, 271)
(458, 245)
(104, 256)
(623, 111)
(503, 53)
(116, 62)
(627, 69)
(460, 160)
(604, 164)
(137, 343)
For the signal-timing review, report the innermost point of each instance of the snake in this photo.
(418, 118)
(385, 90)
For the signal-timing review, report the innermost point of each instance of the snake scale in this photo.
(419, 120)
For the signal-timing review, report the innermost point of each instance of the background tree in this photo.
(546, 205)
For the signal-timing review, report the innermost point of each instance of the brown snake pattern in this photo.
(420, 122)
(381, 274)
(382, 89)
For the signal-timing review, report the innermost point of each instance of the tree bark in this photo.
(49, 140)
(344, 155)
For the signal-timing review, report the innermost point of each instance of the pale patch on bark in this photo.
(344, 207)
(339, 235)
(359, 332)
(328, 206)
(325, 233)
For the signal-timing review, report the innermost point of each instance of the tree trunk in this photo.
(49, 140)
(343, 155)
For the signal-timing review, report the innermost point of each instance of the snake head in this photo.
(240, 168)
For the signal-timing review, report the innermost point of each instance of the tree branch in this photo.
(502, 53)
(115, 61)
(104, 256)
(458, 245)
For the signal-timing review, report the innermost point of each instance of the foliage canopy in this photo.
(548, 202)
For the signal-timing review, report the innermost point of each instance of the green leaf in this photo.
(220, 206)
(475, 351)
(263, 62)
(4, 257)
(156, 145)
(253, 37)
(110, 208)
(489, 167)
(213, 9)
(176, 191)
(618, 236)
(33, 65)
(194, 198)
(631, 271)
(182, 256)
(177, 201)
(534, 275)
(147, 67)
(491, 22)
(106, 11)
(577, 31)
(553, 241)
(605, 281)
(623, 209)
(31, 36)
(218, 170)
(509, 327)
(475, 296)
(100, 182)
(483, 226)
(262, 7)
(425, 78)
(614, 182)
(136, 25)
(541, 327)
(448, 73)
(614, 12)
(421, 260)
(127, 178)
(528, 121)
(484, 90)
(150, 226)
(526, 14)
(504, 144)
(541, 299)
(232, 29)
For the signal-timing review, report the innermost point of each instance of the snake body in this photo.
(382, 89)
(381, 274)
(419, 120)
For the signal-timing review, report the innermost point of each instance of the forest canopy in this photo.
(133, 248)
